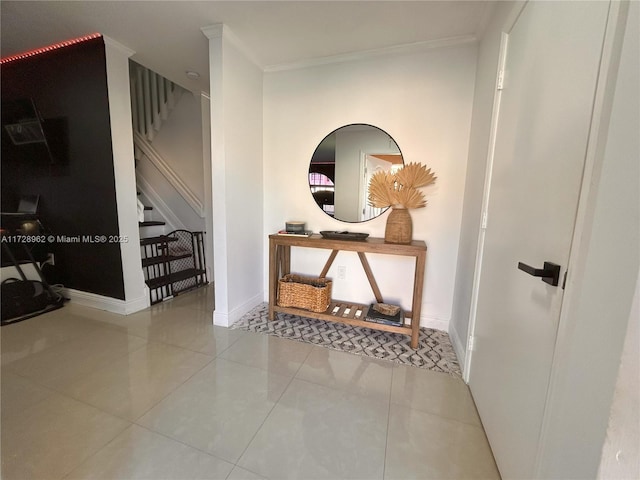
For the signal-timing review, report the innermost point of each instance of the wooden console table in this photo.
(345, 312)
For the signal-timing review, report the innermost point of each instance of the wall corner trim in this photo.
(459, 348)
(117, 45)
(227, 319)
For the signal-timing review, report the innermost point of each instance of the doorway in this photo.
(551, 56)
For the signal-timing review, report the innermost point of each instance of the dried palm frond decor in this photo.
(400, 192)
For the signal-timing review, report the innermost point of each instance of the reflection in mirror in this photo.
(342, 166)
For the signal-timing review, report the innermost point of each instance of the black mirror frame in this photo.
(321, 198)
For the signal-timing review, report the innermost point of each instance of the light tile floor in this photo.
(164, 394)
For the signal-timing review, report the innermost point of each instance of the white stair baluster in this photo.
(140, 101)
(162, 90)
(134, 102)
(154, 101)
(147, 106)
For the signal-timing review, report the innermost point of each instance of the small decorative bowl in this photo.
(295, 227)
(386, 309)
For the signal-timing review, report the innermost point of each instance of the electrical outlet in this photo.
(342, 272)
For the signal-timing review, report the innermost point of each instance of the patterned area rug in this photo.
(434, 349)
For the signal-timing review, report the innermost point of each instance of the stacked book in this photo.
(375, 316)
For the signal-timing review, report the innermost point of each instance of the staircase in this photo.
(152, 98)
(172, 263)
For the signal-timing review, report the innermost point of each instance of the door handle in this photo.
(549, 273)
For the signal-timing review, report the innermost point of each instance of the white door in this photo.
(371, 165)
(552, 58)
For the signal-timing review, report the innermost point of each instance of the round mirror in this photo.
(342, 165)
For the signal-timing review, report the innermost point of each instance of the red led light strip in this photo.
(49, 48)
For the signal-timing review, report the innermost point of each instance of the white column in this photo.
(236, 173)
(218, 184)
(117, 59)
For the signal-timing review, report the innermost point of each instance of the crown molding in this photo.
(118, 46)
(213, 31)
(379, 52)
(220, 30)
(485, 18)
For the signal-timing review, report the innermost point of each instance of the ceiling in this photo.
(166, 35)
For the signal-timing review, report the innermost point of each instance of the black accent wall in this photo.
(76, 185)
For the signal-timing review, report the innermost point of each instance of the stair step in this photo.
(174, 277)
(151, 223)
(147, 262)
(148, 208)
(159, 239)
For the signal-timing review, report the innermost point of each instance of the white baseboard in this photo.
(458, 346)
(114, 305)
(227, 319)
(433, 322)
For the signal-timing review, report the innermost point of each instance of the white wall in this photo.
(620, 455)
(423, 100)
(237, 178)
(179, 141)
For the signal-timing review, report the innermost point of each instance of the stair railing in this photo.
(143, 147)
(152, 98)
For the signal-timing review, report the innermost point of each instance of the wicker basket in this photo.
(308, 293)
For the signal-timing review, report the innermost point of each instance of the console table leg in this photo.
(328, 264)
(370, 277)
(273, 277)
(415, 334)
(417, 298)
(286, 259)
